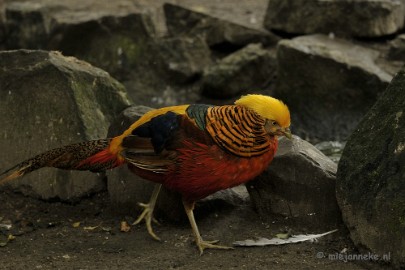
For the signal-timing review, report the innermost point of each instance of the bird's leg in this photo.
(147, 213)
(201, 244)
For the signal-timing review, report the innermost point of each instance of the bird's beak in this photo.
(287, 133)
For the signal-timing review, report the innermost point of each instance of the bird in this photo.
(195, 150)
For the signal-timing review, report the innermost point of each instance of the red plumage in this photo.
(204, 169)
(103, 157)
(201, 170)
(197, 166)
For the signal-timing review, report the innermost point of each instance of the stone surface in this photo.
(218, 33)
(370, 178)
(328, 84)
(184, 58)
(362, 18)
(331, 149)
(235, 196)
(246, 70)
(113, 39)
(49, 100)
(397, 48)
(117, 43)
(299, 183)
(26, 26)
(2, 28)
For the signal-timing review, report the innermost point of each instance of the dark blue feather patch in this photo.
(160, 129)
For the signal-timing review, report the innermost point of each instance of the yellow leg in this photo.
(201, 244)
(147, 213)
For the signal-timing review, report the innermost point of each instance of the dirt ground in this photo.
(46, 238)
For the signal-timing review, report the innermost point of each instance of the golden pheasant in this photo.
(195, 150)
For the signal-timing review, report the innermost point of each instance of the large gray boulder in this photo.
(113, 37)
(246, 70)
(362, 18)
(48, 101)
(371, 177)
(217, 32)
(328, 83)
(183, 58)
(298, 184)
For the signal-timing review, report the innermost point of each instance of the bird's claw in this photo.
(146, 211)
(201, 244)
(147, 215)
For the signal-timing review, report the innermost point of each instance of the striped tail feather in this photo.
(91, 155)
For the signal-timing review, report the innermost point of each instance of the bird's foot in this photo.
(201, 244)
(147, 215)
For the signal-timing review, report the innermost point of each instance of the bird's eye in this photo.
(274, 123)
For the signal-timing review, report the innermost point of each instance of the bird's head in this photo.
(274, 111)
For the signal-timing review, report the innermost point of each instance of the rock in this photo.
(114, 38)
(397, 48)
(115, 42)
(235, 196)
(370, 178)
(25, 26)
(245, 70)
(2, 28)
(184, 58)
(125, 119)
(48, 101)
(299, 183)
(219, 34)
(328, 84)
(331, 149)
(363, 18)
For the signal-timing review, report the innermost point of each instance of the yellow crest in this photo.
(267, 107)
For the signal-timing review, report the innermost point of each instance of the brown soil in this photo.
(47, 239)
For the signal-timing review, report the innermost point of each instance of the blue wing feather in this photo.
(159, 129)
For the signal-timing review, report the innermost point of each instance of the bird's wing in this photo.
(151, 142)
(146, 147)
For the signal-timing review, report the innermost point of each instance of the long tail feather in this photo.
(91, 155)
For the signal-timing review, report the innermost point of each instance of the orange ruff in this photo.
(204, 169)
